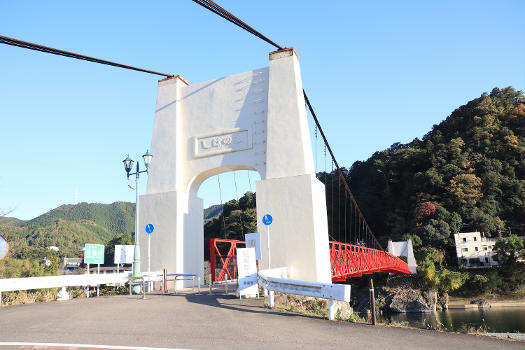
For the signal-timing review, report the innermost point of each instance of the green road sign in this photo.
(93, 253)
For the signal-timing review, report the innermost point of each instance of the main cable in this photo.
(215, 8)
(347, 187)
(32, 46)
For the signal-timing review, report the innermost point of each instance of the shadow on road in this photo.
(231, 302)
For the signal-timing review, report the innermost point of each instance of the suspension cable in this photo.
(347, 187)
(238, 203)
(32, 46)
(215, 8)
(222, 207)
(332, 197)
(249, 181)
(212, 6)
(339, 208)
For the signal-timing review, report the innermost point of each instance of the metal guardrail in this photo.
(272, 280)
(134, 281)
(27, 283)
(180, 277)
(226, 283)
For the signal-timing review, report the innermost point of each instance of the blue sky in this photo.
(377, 72)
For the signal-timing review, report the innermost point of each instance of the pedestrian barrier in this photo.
(179, 277)
(274, 281)
(134, 281)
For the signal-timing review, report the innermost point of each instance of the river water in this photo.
(497, 319)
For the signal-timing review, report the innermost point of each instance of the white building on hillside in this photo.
(474, 250)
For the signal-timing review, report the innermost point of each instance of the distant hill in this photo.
(69, 226)
(212, 212)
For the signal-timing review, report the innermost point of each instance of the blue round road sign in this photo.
(267, 219)
(149, 228)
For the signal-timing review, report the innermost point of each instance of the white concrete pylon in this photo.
(248, 121)
(404, 248)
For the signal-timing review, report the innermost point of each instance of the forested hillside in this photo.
(236, 219)
(467, 173)
(212, 212)
(69, 227)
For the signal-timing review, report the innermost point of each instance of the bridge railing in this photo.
(346, 260)
(349, 260)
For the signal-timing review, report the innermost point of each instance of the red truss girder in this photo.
(349, 260)
(230, 256)
(346, 260)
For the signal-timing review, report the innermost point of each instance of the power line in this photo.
(32, 46)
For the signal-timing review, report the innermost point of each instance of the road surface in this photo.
(189, 321)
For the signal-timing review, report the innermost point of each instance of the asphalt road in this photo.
(210, 322)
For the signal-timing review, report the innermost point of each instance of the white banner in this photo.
(124, 254)
(247, 272)
(253, 240)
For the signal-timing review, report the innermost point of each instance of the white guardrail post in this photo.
(275, 281)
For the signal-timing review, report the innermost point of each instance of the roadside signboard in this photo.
(253, 240)
(4, 246)
(247, 269)
(93, 253)
(124, 254)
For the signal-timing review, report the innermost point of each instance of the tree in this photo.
(510, 255)
(470, 167)
(434, 276)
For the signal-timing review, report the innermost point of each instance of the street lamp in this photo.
(128, 165)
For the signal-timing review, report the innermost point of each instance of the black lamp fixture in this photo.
(128, 164)
(147, 158)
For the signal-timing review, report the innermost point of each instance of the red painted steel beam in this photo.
(346, 260)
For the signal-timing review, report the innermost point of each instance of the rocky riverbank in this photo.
(402, 293)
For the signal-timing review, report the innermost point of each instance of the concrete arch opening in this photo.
(249, 121)
(234, 193)
(229, 213)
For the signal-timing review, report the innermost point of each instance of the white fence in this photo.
(275, 280)
(26, 283)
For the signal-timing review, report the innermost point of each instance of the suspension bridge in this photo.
(355, 252)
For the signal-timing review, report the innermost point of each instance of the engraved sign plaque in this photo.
(222, 143)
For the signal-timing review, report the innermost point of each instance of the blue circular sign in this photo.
(267, 219)
(149, 228)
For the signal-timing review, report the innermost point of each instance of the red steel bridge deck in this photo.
(346, 260)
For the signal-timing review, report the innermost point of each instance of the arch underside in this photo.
(198, 179)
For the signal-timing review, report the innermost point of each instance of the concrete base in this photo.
(178, 239)
(299, 232)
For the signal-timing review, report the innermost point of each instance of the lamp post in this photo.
(128, 165)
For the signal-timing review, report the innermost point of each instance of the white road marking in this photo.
(43, 346)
